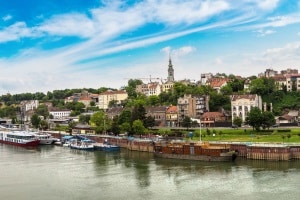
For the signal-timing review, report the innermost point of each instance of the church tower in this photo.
(170, 71)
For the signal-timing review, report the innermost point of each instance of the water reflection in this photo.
(55, 172)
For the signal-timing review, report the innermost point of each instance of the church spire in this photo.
(170, 71)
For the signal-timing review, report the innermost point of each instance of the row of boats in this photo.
(82, 143)
(33, 139)
(177, 150)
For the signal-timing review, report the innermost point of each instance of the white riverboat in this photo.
(45, 138)
(18, 138)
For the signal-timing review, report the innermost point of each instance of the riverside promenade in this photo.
(246, 150)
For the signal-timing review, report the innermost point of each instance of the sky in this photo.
(67, 44)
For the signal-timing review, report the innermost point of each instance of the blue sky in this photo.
(59, 44)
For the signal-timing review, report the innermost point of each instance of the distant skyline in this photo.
(60, 44)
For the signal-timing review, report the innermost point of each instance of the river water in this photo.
(55, 172)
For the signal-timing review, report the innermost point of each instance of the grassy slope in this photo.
(248, 135)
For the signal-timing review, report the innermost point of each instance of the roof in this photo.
(212, 114)
(244, 96)
(85, 98)
(279, 78)
(172, 109)
(110, 92)
(55, 109)
(156, 109)
(219, 83)
(286, 117)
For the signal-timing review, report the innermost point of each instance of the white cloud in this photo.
(166, 50)
(183, 51)
(184, 11)
(6, 18)
(262, 33)
(280, 21)
(290, 52)
(15, 32)
(267, 4)
(68, 25)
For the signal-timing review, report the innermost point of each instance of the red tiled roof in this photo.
(212, 114)
(172, 109)
(84, 98)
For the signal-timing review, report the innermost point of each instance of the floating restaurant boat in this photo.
(195, 151)
(18, 138)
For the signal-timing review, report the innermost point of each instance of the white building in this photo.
(149, 89)
(242, 104)
(59, 113)
(109, 95)
(29, 105)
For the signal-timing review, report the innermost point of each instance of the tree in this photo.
(84, 119)
(153, 100)
(130, 89)
(42, 110)
(115, 128)
(125, 116)
(138, 113)
(35, 120)
(236, 85)
(164, 131)
(237, 121)
(44, 125)
(101, 122)
(186, 122)
(257, 86)
(254, 118)
(149, 122)
(226, 90)
(218, 101)
(125, 127)
(112, 103)
(268, 119)
(138, 127)
(92, 103)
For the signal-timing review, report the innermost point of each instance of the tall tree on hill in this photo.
(138, 113)
(35, 120)
(130, 89)
(268, 119)
(125, 117)
(42, 110)
(254, 118)
(187, 122)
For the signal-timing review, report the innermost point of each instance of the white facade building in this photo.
(60, 113)
(242, 104)
(109, 95)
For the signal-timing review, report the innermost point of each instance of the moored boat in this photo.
(195, 151)
(86, 145)
(45, 138)
(18, 138)
(106, 147)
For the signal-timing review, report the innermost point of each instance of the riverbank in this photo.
(246, 150)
